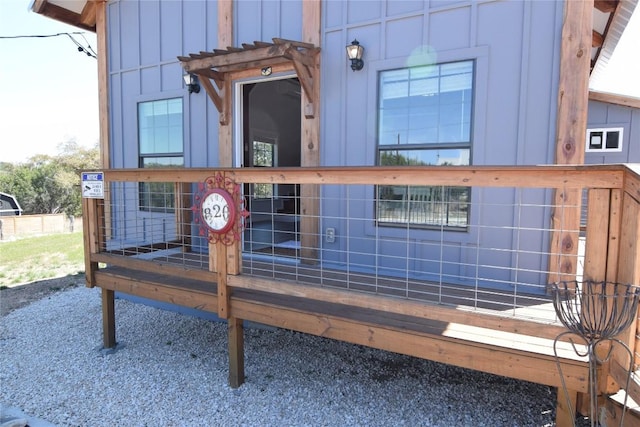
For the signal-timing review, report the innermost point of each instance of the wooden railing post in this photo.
(93, 235)
(629, 264)
(602, 237)
(613, 256)
(236, 351)
(93, 224)
(108, 319)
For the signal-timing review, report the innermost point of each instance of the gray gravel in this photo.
(172, 371)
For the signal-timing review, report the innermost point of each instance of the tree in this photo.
(50, 184)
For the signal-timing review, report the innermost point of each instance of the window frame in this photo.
(145, 202)
(272, 141)
(443, 222)
(605, 131)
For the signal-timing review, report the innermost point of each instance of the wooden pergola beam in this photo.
(219, 64)
(236, 58)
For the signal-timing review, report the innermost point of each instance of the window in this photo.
(599, 140)
(425, 119)
(264, 155)
(160, 141)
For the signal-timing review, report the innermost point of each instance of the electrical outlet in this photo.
(330, 235)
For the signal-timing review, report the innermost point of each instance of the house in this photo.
(613, 129)
(395, 199)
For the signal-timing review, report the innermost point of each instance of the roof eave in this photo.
(54, 9)
(614, 98)
(619, 21)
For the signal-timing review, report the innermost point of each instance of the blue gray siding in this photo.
(604, 115)
(515, 45)
(514, 116)
(516, 82)
(144, 40)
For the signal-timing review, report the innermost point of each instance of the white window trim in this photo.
(604, 131)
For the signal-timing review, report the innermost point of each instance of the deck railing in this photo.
(486, 240)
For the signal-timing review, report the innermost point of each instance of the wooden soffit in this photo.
(79, 13)
(214, 69)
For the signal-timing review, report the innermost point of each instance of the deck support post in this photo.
(565, 413)
(571, 128)
(236, 352)
(108, 319)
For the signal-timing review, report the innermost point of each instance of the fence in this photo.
(12, 227)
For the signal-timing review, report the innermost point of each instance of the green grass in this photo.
(44, 257)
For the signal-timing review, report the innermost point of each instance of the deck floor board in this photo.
(395, 321)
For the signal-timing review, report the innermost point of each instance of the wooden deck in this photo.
(424, 334)
(504, 333)
(290, 269)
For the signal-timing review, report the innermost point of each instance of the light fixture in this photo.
(191, 80)
(354, 52)
(266, 71)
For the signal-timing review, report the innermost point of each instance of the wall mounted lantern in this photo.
(191, 80)
(354, 52)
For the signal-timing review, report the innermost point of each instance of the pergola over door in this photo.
(220, 65)
(217, 70)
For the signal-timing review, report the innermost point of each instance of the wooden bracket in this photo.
(218, 94)
(305, 66)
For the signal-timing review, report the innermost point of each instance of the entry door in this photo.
(271, 138)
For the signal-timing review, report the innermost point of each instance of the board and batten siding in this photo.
(606, 115)
(264, 20)
(144, 40)
(515, 46)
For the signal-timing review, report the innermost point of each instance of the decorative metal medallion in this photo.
(217, 206)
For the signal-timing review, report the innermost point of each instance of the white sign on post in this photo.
(93, 185)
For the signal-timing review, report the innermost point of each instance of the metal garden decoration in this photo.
(596, 312)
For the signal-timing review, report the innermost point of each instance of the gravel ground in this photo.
(172, 371)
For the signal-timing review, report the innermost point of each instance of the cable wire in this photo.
(88, 50)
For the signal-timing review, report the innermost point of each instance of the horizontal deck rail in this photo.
(551, 176)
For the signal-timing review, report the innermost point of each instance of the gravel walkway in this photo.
(172, 371)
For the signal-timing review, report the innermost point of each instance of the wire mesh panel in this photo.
(158, 226)
(494, 255)
(478, 248)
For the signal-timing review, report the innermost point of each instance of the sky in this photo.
(49, 90)
(623, 70)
